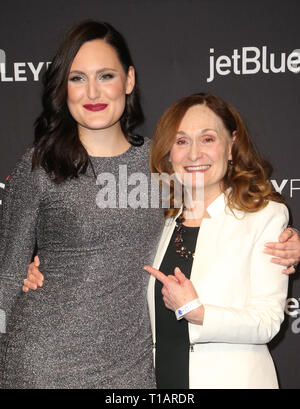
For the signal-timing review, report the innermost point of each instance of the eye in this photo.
(107, 76)
(76, 78)
(181, 141)
(207, 139)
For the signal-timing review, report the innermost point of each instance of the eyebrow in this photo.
(97, 72)
(182, 133)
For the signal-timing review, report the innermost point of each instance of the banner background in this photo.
(171, 43)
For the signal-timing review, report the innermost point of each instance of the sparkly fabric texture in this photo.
(88, 326)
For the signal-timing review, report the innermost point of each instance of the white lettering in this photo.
(272, 63)
(292, 304)
(292, 309)
(2, 186)
(296, 326)
(220, 64)
(171, 398)
(236, 58)
(127, 399)
(165, 180)
(211, 70)
(106, 197)
(2, 322)
(293, 62)
(2, 60)
(138, 197)
(251, 60)
(264, 60)
(35, 71)
(154, 192)
(292, 186)
(123, 183)
(279, 188)
(18, 71)
(3, 76)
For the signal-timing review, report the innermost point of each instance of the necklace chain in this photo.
(181, 249)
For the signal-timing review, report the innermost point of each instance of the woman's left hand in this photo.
(177, 291)
(286, 252)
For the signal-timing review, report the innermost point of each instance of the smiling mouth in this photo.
(95, 107)
(200, 168)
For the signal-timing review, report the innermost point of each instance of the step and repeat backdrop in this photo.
(246, 52)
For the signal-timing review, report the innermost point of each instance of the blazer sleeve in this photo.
(259, 321)
(18, 222)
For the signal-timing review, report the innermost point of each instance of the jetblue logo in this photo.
(252, 60)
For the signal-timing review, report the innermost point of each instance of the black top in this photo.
(172, 338)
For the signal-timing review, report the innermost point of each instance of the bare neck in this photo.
(104, 142)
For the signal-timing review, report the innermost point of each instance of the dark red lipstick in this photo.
(95, 107)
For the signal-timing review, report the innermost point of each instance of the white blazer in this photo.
(243, 295)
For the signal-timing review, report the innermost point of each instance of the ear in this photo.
(130, 80)
(232, 139)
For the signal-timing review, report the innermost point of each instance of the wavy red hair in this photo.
(248, 176)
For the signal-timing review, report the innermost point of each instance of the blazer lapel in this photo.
(161, 250)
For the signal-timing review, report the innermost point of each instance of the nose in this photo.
(93, 90)
(195, 151)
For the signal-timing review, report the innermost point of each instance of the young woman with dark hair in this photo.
(230, 296)
(88, 327)
(57, 147)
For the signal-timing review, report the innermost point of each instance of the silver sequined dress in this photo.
(88, 326)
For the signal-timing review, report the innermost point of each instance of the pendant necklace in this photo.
(181, 249)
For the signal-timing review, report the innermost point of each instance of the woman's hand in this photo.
(177, 291)
(286, 252)
(34, 278)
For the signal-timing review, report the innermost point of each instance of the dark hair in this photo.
(248, 174)
(57, 147)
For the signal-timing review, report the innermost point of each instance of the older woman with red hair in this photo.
(210, 268)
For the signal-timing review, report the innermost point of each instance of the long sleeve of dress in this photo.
(259, 320)
(55, 338)
(18, 221)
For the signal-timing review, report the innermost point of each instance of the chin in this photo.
(97, 125)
